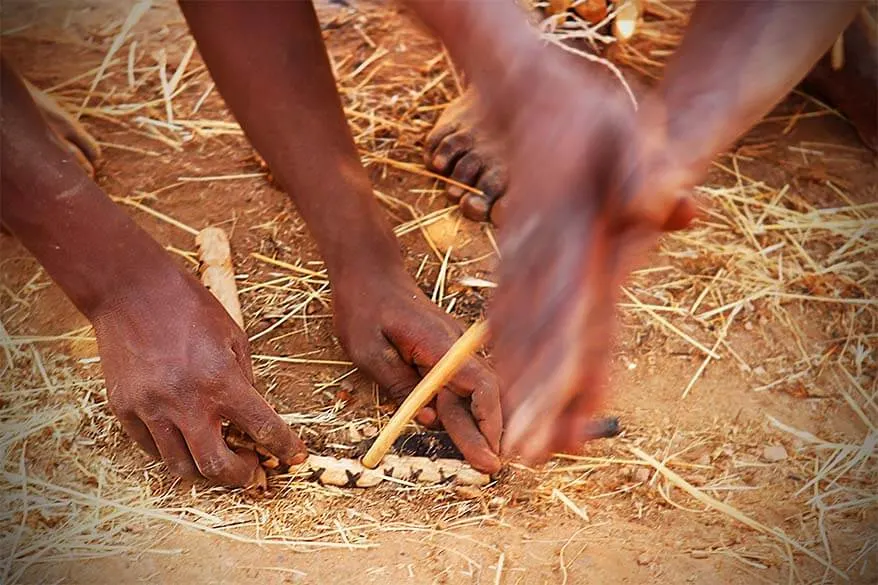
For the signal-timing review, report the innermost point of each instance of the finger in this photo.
(241, 349)
(480, 384)
(213, 457)
(139, 433)
(173, 449)
(576, 428)
(454, 412)
(427, 416)
(247, 409)
(387, 368)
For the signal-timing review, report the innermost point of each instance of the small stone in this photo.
(704, 460)
(748, 326)
(370, 431)
(354, 436)
(497, 502)
(774, 453)
(700, 554)
(759, 371)
(642, 475)
(644, 559)
(468, 492)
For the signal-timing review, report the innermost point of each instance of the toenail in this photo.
(454, 193)
(475, 207)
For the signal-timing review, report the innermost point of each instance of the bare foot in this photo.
(456, 148)
(69, 132)
(851, 88)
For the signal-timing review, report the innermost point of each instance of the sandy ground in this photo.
(639, 529)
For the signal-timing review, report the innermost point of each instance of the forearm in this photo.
(736, 62)
(93, 250)
(270, 66)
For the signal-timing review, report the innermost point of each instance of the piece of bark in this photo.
(216, 270)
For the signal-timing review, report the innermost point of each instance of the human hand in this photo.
(177, 366)
(394, 334)
(591, 185)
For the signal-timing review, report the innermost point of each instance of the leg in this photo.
(851, 89)
(276, 78)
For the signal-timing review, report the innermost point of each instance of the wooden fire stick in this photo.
(218, 276)
(427, 388)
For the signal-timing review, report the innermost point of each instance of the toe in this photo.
(492, 184)
(498, 212)
(468, 168)
(475, 207)
(449, 151)
(439, 133)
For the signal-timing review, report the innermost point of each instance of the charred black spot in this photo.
(431, 444)
(604, 428)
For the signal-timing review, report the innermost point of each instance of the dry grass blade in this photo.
(137, 11)
(733, 512)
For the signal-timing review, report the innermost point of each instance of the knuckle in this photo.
(214, 467)
(182, 469)
(266, 431)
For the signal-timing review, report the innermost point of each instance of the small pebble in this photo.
(700, 554)
(642, 475)
(354, 436)
(370, 431)
(704, 460)
(468, 492)
(774, 453)
(644, 559)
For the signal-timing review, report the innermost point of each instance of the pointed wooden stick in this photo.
(427, 388)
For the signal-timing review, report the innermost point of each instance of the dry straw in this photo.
(768, 267)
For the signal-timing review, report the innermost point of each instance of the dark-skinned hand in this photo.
(394, 334)
(590, 186)
(177, 366)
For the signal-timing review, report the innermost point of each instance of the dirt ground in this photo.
(788, 309)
